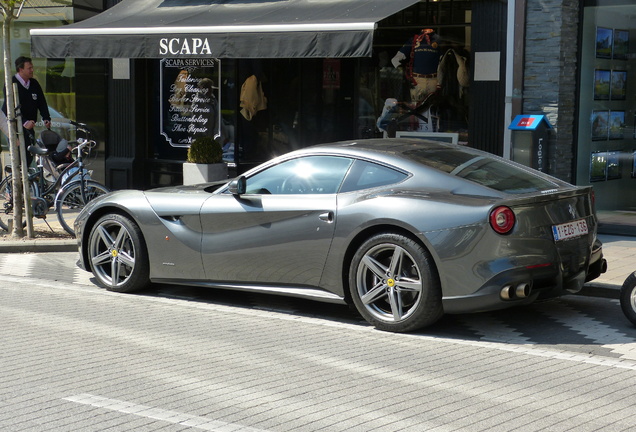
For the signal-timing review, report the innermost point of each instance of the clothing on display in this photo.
(252, 97)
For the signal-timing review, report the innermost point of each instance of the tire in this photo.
(70, 202)
(6, 201)
(628, 297)
(117, 254)
(394, 284)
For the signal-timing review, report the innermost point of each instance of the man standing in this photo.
(31, 99)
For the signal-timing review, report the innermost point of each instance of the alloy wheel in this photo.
(112, 253)
(389, 283)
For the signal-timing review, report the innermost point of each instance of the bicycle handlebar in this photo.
(78, 125)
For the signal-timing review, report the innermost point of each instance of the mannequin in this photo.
(422, 59)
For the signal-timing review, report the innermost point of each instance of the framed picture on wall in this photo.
(613, 165)
(618, 89)
(600, 125)
(602, 84)
(621, 44)
(598, 166)
(604, 38)
(616, 124)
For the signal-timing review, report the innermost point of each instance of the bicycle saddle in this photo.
(37, 150)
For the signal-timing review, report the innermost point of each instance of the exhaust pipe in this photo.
(507, 292)
(521, 291)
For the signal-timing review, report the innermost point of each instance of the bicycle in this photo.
(67, 194)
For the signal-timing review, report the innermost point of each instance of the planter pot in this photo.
(203, 173)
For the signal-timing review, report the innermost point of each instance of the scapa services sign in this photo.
(189, 100)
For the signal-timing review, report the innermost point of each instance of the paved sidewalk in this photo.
(620, 253)
(50, 237)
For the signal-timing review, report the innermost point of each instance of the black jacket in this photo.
(31, 101)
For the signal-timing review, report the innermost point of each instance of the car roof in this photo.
(386, 145)
(410, 154)
(393, 151)
(388, 150)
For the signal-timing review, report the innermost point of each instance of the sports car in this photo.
(404, 230)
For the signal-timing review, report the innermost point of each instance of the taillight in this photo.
(502, 220)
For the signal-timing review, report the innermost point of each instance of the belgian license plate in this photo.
(569, 230)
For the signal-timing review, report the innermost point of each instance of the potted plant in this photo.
(204, 162)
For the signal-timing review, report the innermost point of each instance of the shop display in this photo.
(616, 124)
(613, 165)
(600, 125)
(618, 90)
(598, 166)
(612, 99)
(436, 74)
(620, 45)
(602, 80)
(604, 38)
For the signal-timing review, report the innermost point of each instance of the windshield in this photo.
(484, 170)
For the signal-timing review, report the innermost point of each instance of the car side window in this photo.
(366, 175)
(304, 175)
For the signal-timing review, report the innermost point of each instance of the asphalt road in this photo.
(74, 357)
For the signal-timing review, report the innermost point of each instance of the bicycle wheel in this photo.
(6, 201)
(70, 201)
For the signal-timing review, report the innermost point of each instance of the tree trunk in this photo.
(18, 198)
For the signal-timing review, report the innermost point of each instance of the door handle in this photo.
(327, 217)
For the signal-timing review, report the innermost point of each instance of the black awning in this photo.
(221, 29)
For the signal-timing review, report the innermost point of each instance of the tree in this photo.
(10, 11)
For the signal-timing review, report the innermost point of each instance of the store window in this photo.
(54, 75)
(298, 103)
(74, 89)
(273, 106)
(418, 82)
(606, 156)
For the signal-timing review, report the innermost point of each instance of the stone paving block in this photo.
(235, 367)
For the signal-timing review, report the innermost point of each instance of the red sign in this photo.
(525, 122)
(331, 74)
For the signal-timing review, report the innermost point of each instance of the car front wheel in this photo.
(117, 254)
(628, 297)
(394, 284)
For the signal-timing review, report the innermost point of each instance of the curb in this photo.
(21, 246)
(599, 289)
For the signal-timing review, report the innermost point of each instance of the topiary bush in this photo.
(205, 150)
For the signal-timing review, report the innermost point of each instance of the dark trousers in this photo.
(29, 139)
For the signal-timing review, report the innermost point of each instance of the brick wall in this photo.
(550, 75)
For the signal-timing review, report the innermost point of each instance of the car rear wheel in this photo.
(117, 254)
(394, 284)
(628, 297)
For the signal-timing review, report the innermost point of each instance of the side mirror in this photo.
(238, 186)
